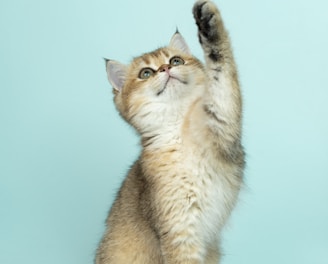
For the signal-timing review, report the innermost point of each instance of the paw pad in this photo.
(207, 17)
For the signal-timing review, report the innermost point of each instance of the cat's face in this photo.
(157, 86)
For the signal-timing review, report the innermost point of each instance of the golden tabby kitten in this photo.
(178, 195)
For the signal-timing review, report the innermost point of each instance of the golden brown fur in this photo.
(178, 195)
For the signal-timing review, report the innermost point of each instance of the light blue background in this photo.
(64, 150)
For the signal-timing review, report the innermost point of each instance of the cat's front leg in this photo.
(222, 101)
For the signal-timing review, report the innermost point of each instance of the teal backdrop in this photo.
(64, 150)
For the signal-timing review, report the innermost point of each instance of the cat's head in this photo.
(157, 87)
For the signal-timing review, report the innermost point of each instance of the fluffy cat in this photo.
(178, 195)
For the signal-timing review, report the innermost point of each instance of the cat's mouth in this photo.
(170, 78)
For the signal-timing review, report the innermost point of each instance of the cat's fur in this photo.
(179, 193)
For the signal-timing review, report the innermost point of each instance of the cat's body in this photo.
(179, 193)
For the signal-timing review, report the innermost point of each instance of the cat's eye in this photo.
(175, 61)
(145, 73)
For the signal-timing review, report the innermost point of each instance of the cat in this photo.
(178, 195)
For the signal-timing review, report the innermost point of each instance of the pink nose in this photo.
(164, 68)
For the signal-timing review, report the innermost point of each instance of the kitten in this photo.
(178, 195)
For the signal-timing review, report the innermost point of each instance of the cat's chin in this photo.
(167, 83)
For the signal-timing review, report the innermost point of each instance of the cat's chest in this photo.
(213, 191)
(197, 185)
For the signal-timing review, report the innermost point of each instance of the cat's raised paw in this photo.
(207, 18)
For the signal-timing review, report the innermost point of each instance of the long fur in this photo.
(180, 192)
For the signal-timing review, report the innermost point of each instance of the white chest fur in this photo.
(214, 193)
(194, 192)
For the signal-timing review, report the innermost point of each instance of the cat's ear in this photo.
(116, 73)
(179, 43)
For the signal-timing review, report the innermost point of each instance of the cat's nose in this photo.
(164, 68)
